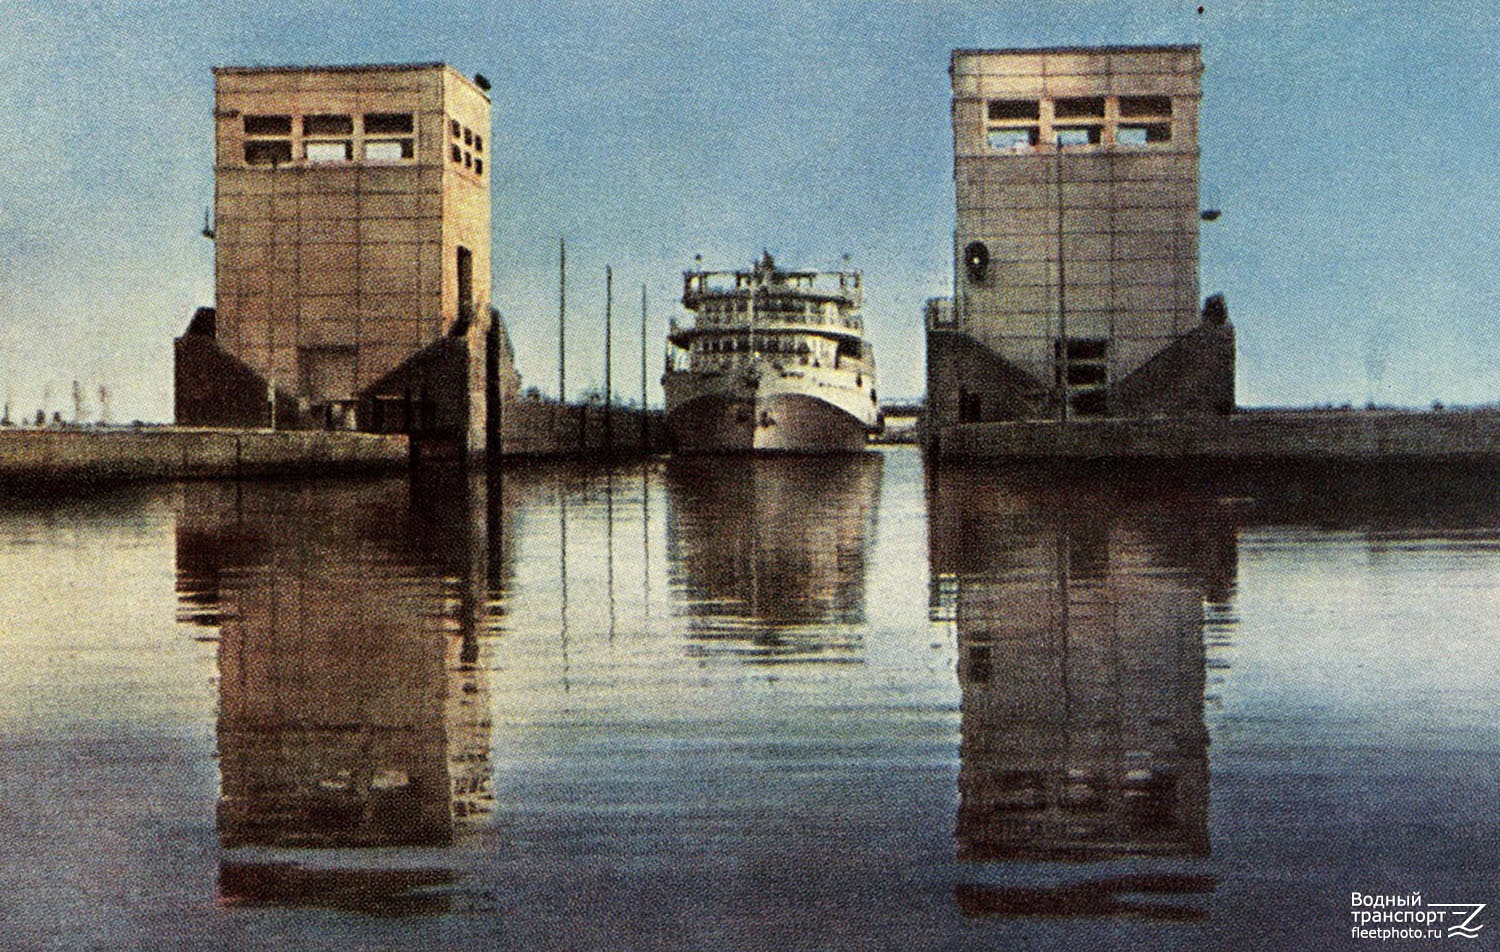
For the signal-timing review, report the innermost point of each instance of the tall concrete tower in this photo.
(1076, 241)
(352, 234)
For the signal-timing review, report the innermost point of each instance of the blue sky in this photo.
(1351, 147)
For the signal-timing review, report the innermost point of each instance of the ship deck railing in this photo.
(774, 323)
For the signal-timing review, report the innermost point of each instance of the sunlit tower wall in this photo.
(352, 235)
(1076, 241)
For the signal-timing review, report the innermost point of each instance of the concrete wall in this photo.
(550, 429)
(1092, 242)
(1254, 435)
(215, 388)
(331, 273)
(48, 456)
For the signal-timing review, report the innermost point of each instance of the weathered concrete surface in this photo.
(40, 456)
(552, 429)
(1247, 435)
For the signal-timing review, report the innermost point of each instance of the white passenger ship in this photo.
(771, 360)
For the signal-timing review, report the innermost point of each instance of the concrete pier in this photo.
(1289, 435)
(47, 456)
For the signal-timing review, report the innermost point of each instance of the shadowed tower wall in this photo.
(352, 236)
(1076, 240)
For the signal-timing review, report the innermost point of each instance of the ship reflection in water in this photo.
(353, 704)
(768, 554)
(1079, 618)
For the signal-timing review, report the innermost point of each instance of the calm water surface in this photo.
(782, 703)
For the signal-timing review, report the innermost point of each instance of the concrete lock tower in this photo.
(1076, 242)
(352, 255)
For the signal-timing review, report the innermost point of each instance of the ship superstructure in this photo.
(771, 359)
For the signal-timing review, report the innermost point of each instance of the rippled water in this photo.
(745, 703)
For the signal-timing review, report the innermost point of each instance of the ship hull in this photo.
(785, 422)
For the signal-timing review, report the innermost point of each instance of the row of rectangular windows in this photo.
(1014, 125)
(326, 138)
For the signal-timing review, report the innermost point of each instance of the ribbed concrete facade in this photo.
(352, 231)
(1076, 239)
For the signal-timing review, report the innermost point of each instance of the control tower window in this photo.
(1002, 110)
(1013, 139)
(327, 138)
(1137, 107)
(389, 136)
(1013, 124)
(1077, 135)
(268, 140)
(1080, 107)
(1149, 134)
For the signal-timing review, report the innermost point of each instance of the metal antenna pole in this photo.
(562, 320)
(643, 367)
(609, 394)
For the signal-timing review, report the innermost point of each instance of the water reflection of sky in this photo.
(748, 704)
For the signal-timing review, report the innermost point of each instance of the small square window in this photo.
(458, 154)
(1076, 135)
(327, 126)
(1012, 140)
(1002, 109)
(478, 142)
(336, 151)
(479, 166)
(268, 152)
(388, 150)
(1137, 106)
(468, 136)
(268, 125)
(455, 128)
(468, 161)
(1143, 134)
(388, 123)
(1079, 107)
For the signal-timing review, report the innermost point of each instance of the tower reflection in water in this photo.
(1079, 611)
(767, 555)
(353, 710)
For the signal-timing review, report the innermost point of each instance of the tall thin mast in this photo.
(643, 367)
(562, 320)
(609, 395)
